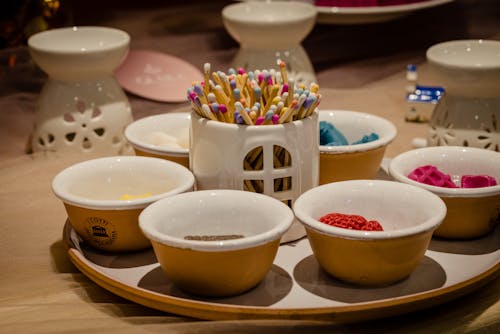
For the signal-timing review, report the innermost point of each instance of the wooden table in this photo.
(42, 292)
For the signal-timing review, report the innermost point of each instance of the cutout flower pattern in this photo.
(442, 132)
(85, 124)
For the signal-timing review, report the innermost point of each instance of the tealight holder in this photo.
(81, 106)
(469, 112)
(279, 160)
(269, 31)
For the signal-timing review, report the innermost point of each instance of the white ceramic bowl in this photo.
(274, 24)
(472, 212)
(408, 215)
(467, 67)
(216, 267)
(162, 136)
(78, 53)
(103, 197)
(361, 161)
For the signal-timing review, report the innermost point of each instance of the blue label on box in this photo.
(426, 94)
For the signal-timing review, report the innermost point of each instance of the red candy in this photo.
(432, 176)
(351, 222)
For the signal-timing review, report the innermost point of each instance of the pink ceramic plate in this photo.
(156, 76)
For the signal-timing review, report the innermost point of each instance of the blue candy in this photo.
(366, 139)
(330, 136)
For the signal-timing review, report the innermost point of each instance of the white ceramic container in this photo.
(81, 107)
(468, 113)
(272, 30)
(218, 152)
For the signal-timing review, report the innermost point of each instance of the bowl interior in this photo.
(254, 218)
(79, 40)
(453, 160)
(275, 12)
(121, 181)
(161, 133)
(478, 54)
(401, 209)
(354, 125)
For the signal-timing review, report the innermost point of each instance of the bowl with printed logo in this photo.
(352, 144)
(103, 197)
(466, 178)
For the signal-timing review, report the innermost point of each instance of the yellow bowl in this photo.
(104, 197)
(164, 136)
(354, 162)
(472, 212)
(408, 215)
(216, 242)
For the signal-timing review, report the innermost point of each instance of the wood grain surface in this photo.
(358, 68)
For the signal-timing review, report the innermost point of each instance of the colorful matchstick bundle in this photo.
(253, 98)
(256, 98)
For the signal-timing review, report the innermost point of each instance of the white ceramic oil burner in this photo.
(269, 31)
(81, 106)
(469, 112)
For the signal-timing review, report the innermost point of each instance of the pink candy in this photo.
(432, 176)
(477, 181)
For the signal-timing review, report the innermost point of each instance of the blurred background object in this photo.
(19, 19)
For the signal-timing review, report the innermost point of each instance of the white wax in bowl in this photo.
(160, 138)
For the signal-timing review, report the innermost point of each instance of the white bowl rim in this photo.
(33, 41)
(394, 172)
(308, 12)
(384, 139)
(434, 56)
(136, 203)
(155, 149)
(220, 245)
(429, 225)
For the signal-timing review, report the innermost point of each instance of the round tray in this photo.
(296, 287)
